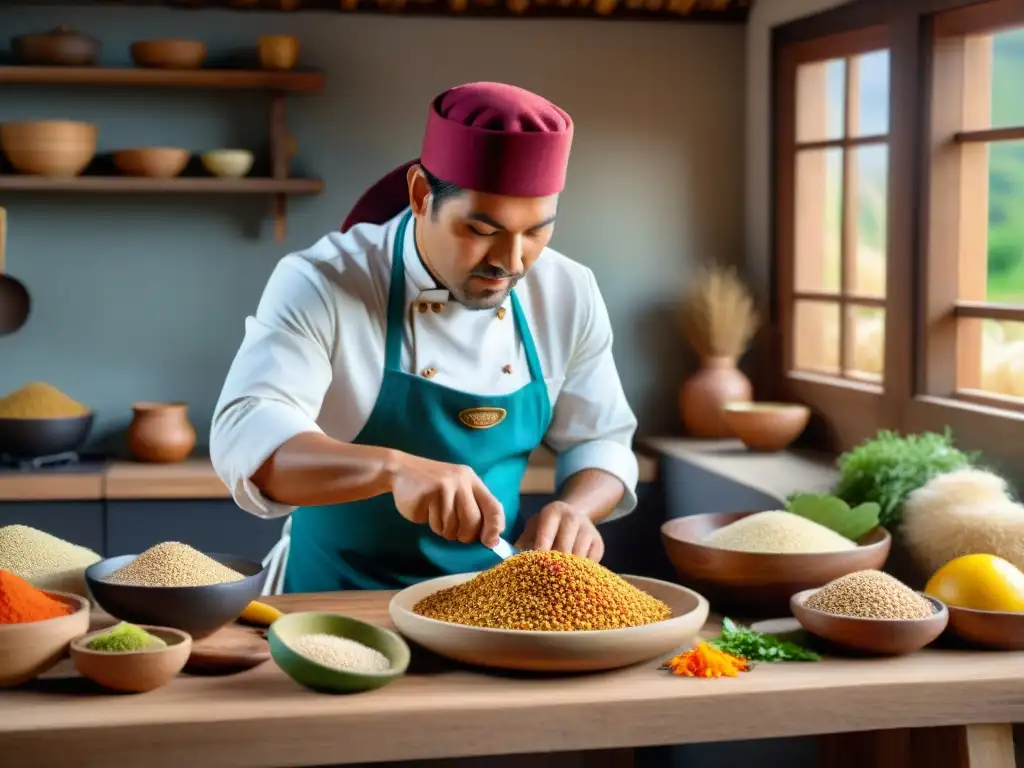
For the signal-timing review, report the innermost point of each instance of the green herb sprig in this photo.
(889, 467)
(834, 513)
(756, 646)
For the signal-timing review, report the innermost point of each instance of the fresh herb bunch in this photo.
(835, 514)
(756, 646)
(889, 467)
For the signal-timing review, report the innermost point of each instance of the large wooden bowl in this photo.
(31, 648)
(538, 651)
(878, 637)
(60, 148)
(152, 162)
(995, 630)
(755, 585)
(169, 54)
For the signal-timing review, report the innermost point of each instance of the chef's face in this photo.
(479, 245)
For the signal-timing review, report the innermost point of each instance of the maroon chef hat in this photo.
(488, 137)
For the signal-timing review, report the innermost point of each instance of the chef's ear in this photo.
(419, 191)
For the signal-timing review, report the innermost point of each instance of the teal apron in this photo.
(368, 544)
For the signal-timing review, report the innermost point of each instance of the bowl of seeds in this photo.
(174, 585)
(751, 563)
(871, 612)
(549, 612)
(331, 653)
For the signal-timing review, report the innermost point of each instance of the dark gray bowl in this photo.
(32, 438)
(200, 611)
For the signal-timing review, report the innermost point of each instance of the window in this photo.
(899, 219)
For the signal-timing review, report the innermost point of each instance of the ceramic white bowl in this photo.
(230, 163)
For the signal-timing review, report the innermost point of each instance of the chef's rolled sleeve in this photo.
(593, 426)
(276, 384)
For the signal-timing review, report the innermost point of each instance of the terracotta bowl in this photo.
(28, 650)
(995, 630)
(755, 585)
(133, 671)
(230, 163)
(877, 637)
(766, 426)
(49, 147)
(169, 54)
(540, 651)
(153, 162)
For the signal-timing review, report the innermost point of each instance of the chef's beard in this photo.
(485, 299)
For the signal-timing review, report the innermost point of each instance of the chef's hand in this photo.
(451, 498)
(559, 527)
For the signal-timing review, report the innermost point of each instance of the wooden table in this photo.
(958, 704)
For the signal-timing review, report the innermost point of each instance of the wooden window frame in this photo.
(922, 388)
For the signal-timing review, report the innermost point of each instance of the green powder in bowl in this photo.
(124, 638)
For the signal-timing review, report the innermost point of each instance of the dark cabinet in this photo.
(80, 522)
(212, 525)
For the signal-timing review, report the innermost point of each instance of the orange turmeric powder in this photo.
(706, 661)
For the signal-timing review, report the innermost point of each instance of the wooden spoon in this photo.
(15, 303)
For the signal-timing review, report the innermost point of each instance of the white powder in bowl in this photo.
(341, 653)
(777, 532)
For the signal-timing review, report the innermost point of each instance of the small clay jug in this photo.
(704, 395)
(161, 432)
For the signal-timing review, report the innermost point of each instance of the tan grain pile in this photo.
(173, 564)
(44, 560)
(341, 653)
(870, 595)
(777, 532)
(548, 591)
(38, 400)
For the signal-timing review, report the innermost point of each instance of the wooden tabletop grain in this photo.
(262, 718)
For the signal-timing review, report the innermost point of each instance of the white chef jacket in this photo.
(312, 360)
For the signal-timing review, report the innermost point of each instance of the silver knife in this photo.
(504, 550)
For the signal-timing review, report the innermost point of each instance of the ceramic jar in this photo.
(161, 432)
(278, 52)
(704, 395)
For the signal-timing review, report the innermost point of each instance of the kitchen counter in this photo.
(191, 479)
(950, 699)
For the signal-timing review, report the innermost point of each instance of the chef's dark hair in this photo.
(440, 190)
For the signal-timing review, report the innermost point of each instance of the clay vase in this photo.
(704, 395)
(161, 432)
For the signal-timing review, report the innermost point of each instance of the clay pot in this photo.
(161, 432)
(280, 52)
(704, 395)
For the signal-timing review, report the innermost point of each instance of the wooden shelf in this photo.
(236, 79)
(180, 185)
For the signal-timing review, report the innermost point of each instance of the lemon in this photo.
(980, 582)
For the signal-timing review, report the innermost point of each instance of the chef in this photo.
(397, 375)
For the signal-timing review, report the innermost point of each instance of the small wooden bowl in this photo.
(278, 52)
(169, 54)
(996, 630)
(766, 426)
(753, 584)
(877, 637)
(133, 671)
(27, 650)
(152, 162)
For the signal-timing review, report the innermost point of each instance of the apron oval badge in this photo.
(482, 418)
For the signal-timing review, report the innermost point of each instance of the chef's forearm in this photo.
(592, 492)
(312, 469)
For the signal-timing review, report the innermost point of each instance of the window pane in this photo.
(818, 212)
(1002, 358)
(1007, 76)
(869, 167)
(1005, 273)
(872, 117)
(820, 100)
(866, 342)
(816, 336)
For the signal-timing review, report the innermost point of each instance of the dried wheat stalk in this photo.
(718, 315)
